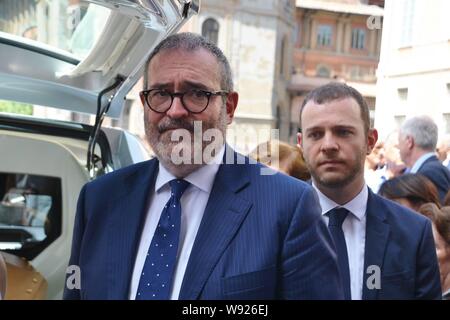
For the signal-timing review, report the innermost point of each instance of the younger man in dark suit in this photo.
(385, 251)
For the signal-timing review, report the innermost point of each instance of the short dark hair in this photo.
(190, 42)
(337, 91)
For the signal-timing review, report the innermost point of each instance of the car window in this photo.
(30, 213)
(72, 26)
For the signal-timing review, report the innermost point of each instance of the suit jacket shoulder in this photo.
(116, 178)
(434, 170)
(400, 242)
(397, 215)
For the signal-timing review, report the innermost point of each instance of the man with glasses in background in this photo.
(199, 221)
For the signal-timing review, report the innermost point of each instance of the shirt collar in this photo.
(202, 178)
(357, 206)
(420, 162)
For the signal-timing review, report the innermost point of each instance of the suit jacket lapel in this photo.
(223, 215)
(377, 233)
(127, 217)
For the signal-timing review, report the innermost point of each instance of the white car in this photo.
(44, 163)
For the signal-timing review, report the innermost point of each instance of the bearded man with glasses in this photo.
(209, 227)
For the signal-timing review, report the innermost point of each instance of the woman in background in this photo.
(410, 190)
(289, 161)
(447, 199)
(441, 234)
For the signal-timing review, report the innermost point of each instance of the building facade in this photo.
(257, 38)
(414, 70)
(278, 50)
(255, 35)
(337, 40)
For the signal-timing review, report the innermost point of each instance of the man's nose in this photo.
(177, 110)
(329, 142)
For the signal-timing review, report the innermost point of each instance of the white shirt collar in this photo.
(202, 178)
(420, 162)
(357, 206)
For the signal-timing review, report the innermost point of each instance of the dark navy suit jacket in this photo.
(261, 237)
(434, 170)
(400, 241)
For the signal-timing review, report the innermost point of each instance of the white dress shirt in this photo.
(354, 227)
(193, 204)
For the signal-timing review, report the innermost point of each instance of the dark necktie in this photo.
(157, 274)
(336, 218)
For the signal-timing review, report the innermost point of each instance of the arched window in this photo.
(323, 72)
(210, 30)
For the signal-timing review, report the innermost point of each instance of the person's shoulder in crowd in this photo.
(411, 252)
(432, 162)
(438, 174)
(402, 216)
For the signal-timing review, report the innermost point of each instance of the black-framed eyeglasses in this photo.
(194, 100)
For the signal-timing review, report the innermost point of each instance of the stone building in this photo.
(414, 70)
(278, 50)
(257, 38)
(336, 40)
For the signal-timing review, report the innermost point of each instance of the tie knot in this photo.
(178, 186)
(337, 216)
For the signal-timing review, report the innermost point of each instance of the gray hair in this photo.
(423, 130)
(190, 42)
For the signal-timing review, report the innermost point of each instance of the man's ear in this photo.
(372, 138)
(231, 104)
(299, 140)
(410, 142)
(141, 96)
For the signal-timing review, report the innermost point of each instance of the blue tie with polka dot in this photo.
(157, 274)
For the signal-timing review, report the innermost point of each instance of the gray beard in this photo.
(163, 147)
